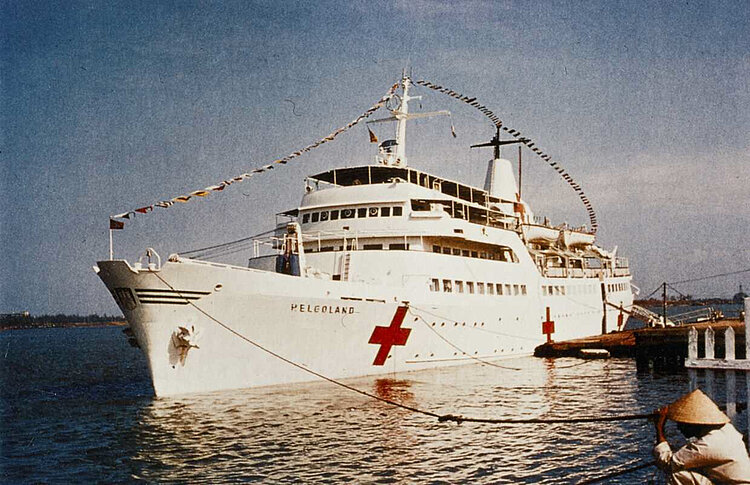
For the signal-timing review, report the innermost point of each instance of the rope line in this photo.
(282, 161)
(617, 473)
(709, 277)
(472, 101)
(440, 417)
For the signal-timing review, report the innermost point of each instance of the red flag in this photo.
(113, 224)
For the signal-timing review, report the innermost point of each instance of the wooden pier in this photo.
(653, 348)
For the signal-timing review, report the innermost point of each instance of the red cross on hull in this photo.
(389, 336)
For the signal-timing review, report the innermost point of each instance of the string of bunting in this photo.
(472, 101)
(117, 222)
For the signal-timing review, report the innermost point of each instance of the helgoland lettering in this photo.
(332, 309)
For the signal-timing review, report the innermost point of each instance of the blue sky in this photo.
(111, 106)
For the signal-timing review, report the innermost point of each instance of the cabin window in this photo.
(334, 214)
(516, 290)
(362, 212)
(544, 290)
(305, 218)
(323, 216)
(372, 246)
(398, 247)
(373, 212)
(420, 205)
(446, 250)
(347, 214)
(447, 286)
(523, 289)
(456, 252)
(499, 287)
(490, 289)
(385, 211)
(327, 249)
(507, 290)
(436, 248)
(470, 287)
(435, 284)
(483, 255)
(480, 288)
(397, 211)
(315, 217)
(459, 286)
(474, 254)
(465, 252)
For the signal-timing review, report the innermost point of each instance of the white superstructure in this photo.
(382, 268)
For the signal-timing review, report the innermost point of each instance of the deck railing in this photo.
(729, 364)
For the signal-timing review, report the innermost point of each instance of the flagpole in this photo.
(111, 246)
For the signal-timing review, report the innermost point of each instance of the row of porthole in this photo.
(476, 352)
(455, 324)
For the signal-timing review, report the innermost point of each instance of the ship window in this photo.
(507, 290)
(436, 248)
(446, 250)
(562, 290)
(323, 216)
(397, 211)
(544, 290)
(373, 212)
(523, 289)
(483, 255)
(480, 288)
(398, 247)
(516, 290)
(470, 287)
(347, 214)
(465, 252)
(473, 254)
(490, 289)
(362, 212)
(305, 218)
(334, 214)
(456, 252)
(459, 286)
(372, 246)
(447, 286)
(315, 217)
(420, 205)
(435, 284)
(326, 249)
(499, 288)
(385, 211)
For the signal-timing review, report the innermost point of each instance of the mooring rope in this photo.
(440, 417)
(472, 101)
(617, 473)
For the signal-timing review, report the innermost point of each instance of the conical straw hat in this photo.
(696, 408)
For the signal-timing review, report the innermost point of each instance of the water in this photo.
(77, 406)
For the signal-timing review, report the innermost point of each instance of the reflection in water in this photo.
(99, 423)
(315, 432)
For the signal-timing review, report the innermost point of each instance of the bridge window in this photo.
(436, 248)
(373, 212)
(305, 218)
(456, 252)
(385, 211)
(323, 216)
(334, 214)
(362, 212)
(315, 217)
(347, 214)
(446, 250)
(398, 247)
(372, 246)
(397, 211)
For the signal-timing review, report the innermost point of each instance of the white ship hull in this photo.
(323, 326)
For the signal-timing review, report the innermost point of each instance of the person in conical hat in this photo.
(715, 452)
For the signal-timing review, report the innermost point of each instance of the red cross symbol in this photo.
(387, 337)
(548, 327)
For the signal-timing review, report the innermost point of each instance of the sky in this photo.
(110, 106)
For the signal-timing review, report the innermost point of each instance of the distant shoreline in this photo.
(118, 323)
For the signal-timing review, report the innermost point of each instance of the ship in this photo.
(381, 269)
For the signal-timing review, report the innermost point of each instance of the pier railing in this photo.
(730, 365)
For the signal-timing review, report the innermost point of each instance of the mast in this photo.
(402, 114)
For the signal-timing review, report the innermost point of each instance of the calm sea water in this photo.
(77, 406)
